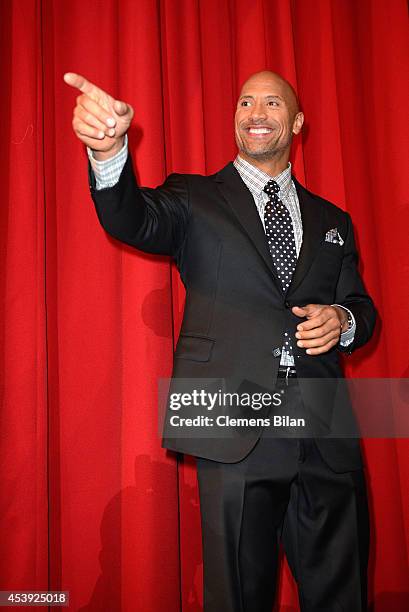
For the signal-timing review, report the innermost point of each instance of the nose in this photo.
(258, 112)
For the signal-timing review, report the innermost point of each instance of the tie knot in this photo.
(271, 188)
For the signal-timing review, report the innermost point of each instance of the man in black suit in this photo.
(273, 294)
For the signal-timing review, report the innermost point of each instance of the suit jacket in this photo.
(235, 311)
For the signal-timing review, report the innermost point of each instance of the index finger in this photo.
(81, 83)
(312, 323)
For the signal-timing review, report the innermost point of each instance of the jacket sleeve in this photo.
(152, 220)
(351, 293)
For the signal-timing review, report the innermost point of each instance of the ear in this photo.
(298, 123)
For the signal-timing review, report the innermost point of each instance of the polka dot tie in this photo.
(281, 241)
(280, 235)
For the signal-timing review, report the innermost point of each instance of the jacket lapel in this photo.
(313, 233)
(242, 204)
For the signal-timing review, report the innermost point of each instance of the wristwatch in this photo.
(350, 320)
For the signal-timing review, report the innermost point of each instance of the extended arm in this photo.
(153, 220)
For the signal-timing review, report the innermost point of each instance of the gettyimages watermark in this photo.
(209, 400)
(296, 407)
(213, 401)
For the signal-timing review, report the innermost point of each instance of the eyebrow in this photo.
(270, 96)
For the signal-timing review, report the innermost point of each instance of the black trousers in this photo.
(283, 491)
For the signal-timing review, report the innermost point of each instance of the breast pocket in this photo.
(325, 271)
(194, 348)
(332, 249)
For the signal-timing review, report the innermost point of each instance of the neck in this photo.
(272, 166)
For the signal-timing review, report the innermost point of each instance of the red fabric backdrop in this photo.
(90, 503)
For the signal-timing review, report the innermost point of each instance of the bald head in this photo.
(277, 82)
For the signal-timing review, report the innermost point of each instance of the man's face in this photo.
(266, 117)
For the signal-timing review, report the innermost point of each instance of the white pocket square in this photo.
(334, 236)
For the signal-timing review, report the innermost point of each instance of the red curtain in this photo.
(90, 502)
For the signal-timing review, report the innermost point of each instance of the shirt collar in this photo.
(255, 179)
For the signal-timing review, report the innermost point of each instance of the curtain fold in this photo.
(23, 417)
(90, 501)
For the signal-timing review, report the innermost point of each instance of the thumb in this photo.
(305, 311)
(121, 108)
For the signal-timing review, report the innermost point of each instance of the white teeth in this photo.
(259, 131)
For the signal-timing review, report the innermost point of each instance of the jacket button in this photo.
(276, 352)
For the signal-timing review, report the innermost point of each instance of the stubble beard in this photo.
(272, 151)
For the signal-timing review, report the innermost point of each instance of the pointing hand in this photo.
(100, 121)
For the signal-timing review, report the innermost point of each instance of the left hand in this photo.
(322, 329)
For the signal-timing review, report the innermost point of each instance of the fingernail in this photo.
(101, 134)
(308, 351)
(110, 122)
(300, 328)
(111, 132)
(300, 344)
(297, 335)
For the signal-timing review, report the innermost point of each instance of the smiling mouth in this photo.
(259, 130)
